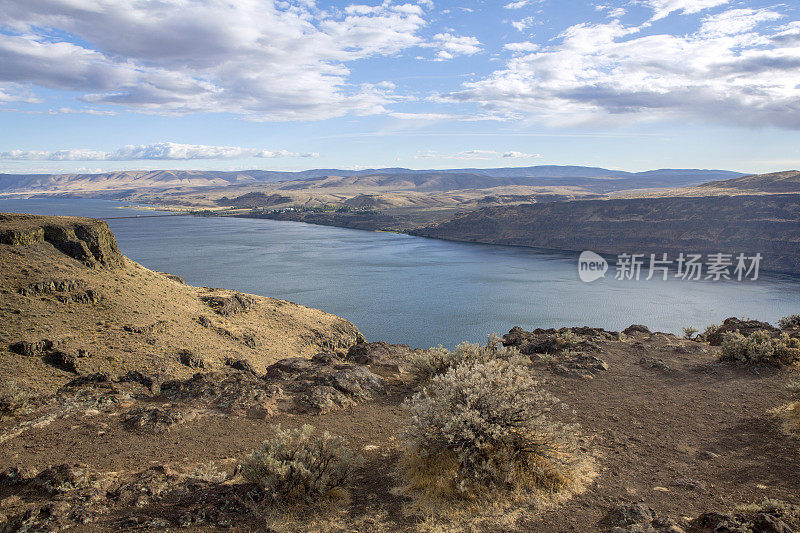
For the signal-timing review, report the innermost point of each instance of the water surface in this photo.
(413, 290)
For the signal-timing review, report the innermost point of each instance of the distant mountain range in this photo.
(111, 184)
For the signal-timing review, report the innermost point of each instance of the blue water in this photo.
(413, 290)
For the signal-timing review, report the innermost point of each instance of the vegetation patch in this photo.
(482, 428)
(789, 322)
(437, 361)
(300, 466)
(760, 347)
(790, 413)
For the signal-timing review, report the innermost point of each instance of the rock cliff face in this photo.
(74, 305)
(87, 240)
(729, 224)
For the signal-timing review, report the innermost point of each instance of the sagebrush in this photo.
(689, 332)
(300, 465)
(209, 472)
(13, 397)
(436, 361)
(485, 425)
(789, 322)
(760, 347)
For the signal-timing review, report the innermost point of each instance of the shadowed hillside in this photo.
(766, 224)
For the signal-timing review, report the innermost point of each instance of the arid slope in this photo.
(82, 307)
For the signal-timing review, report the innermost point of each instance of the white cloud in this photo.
(522, 25)
(736, 21)
(451, 45)
(151, 152)
(521, 47)
(520, 155)
(663, 8)
(258, 58)
(517, 5)
(611, 73)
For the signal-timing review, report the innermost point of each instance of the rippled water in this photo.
(413, 290)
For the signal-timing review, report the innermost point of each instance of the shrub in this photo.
(566, 340)
(300, 465)
(13, 397)
(209, 472)
(689, 332)
(484, 425)
(710, 330)
(789, 322)
(760, 347)
(437, 361)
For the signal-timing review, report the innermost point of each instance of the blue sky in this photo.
(97, 85)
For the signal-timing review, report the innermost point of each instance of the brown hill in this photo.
(776, 182)
(74, 305)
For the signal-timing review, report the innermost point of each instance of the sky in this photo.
(101, 85)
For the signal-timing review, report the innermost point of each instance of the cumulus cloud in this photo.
(275, 60)
(663, 8)
(451, 46)
(149, 152)
(731, 70)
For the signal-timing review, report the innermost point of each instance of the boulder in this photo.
(745, 327)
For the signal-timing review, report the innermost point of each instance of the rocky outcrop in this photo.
(87, 240)
(766, 224)
(745, 327)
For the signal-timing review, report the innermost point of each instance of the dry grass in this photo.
(790, 412)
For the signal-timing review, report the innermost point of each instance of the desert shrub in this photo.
(437, 361)
(760, 347)
(710, 330)
(13, 397)
(484, 425)
(300, 465)
(689, 332)
(209, 472)
(789, 322)
(566, 340)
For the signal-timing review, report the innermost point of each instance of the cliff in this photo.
(766, 224)
(74, 305)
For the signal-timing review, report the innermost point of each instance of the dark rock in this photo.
(65, 361)
(636, 328)
(16, 475)
(380, 353)
(745, 327)
(153, 383)
(242, 365)
(766, 523)
(631, 513)
(64, 478)
(190, 359)
(91, 379)
(238, 392)
(32, 349)
(657, 364)
(153, 419)
(326, 382)
(230, 304)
